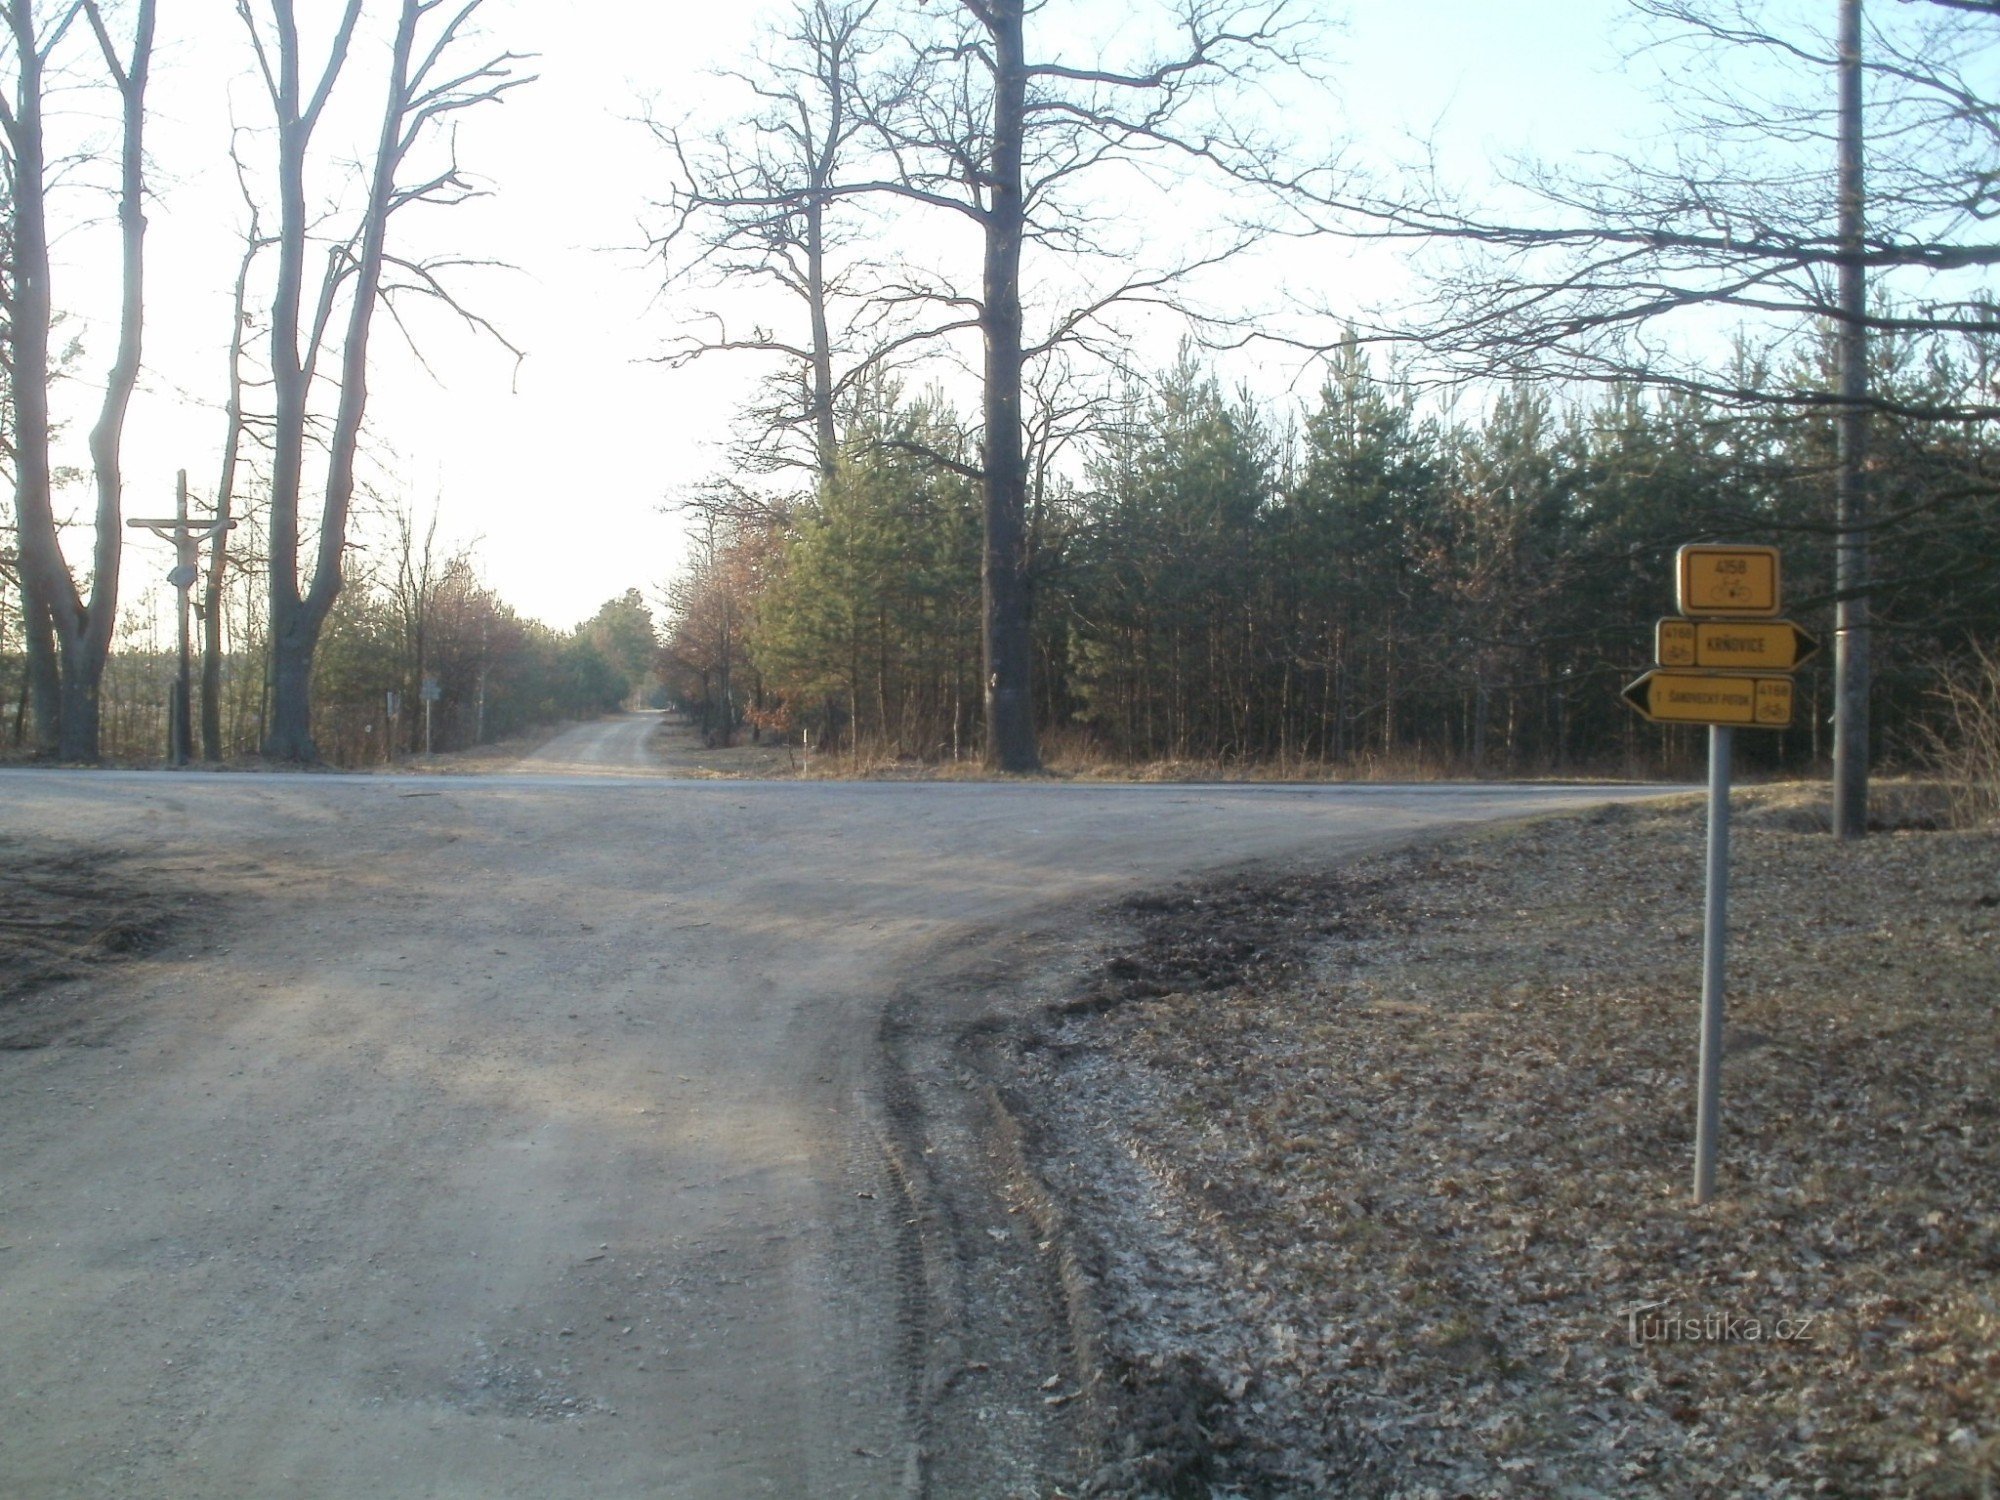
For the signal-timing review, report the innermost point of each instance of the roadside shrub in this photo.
(1967, 747)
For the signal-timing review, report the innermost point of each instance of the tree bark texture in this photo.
(826, 440)
(225, 501)
(1010, 723)
(43, 694)
(46, 585)
(69, 635)
(1851, 632)
(293, 633)
(425, 84)
(298, 616)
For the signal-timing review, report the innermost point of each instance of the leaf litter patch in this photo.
(1380, 1175)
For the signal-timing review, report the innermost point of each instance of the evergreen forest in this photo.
(1367, 583)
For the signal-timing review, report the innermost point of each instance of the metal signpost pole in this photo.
(1714, 936)
(1725, 661)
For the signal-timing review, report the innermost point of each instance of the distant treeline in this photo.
(496, 673)
(412, 616)
(1370, 582)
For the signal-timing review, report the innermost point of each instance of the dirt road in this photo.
(522, 1134)
(614, 746)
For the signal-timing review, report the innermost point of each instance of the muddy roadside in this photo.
(1373, 1179)
(67, 913)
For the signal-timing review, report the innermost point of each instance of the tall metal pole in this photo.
(1850, 640)
(1714, 937)
(185, 553)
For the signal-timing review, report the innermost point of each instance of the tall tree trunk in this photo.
(211, 640)
(1010, 722)
(825, 439)
(107, 436)
(1850, 708)
(79, 709)
(424, 87)
(42, 693)
(225, 499)
(297, 618)
(46, 587)
(69, 637)
(289, 640)
(727, 734)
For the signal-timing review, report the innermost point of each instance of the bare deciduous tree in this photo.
(1765, 210)
(427, 84)
(979, 127)
(237, 425)
(1741, 215)
(752, 201)
(69, 632)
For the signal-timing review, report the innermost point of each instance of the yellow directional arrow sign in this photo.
(1754, 702)
(1738, 645)
(1716, 580)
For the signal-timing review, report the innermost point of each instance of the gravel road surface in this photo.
(522, 1134)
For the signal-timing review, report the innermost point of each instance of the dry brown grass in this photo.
(1436, 1159)
(1079, 756)
(1967, 752)
(1066, 756)
(678, 746)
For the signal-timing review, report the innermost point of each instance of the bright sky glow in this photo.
(559, 469)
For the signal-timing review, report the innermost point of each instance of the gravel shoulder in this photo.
(1373, 1179)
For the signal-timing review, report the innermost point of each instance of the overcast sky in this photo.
(559, 470)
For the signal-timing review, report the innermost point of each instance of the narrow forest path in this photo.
(617, 744)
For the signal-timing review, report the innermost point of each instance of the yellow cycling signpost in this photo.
(1717, 698)
(1733, 645)
(1725, 661)
(1735, 582)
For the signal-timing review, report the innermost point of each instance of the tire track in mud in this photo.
(1015, 1386)
(1001, 1371)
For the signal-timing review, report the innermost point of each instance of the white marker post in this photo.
(431, 693)
(1714, 940)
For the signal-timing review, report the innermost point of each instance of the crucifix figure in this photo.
(187, 536)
